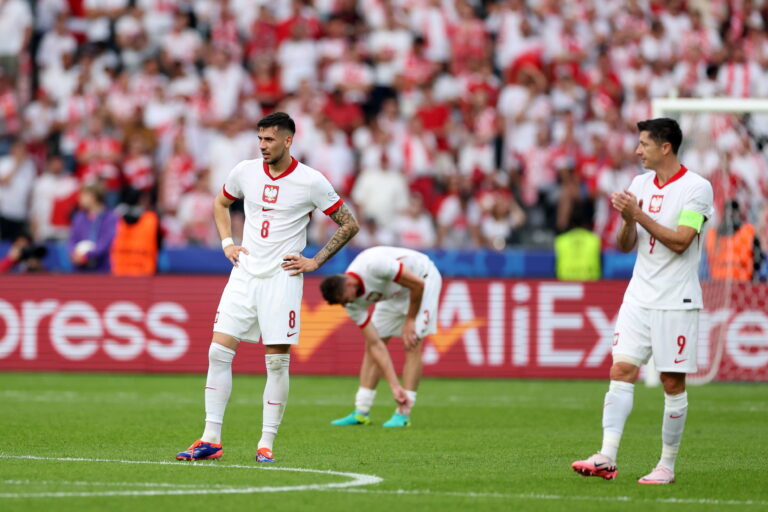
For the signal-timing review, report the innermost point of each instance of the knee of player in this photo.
(277, 362)
(624, 371)
(673, 383)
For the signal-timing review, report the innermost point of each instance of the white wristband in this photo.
(227, 242)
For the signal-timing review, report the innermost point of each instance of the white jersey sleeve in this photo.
(700, 199)
(323, 196)
(358, 313)
(233, 186)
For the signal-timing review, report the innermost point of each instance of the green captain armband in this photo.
(691, 219)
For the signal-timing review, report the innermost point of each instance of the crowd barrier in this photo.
(488, 327)
(513, 262)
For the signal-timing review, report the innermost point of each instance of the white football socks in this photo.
(275, 397)
(412, 398)
(675, 411)
(616, 409)
(218, 387)
(364, 400)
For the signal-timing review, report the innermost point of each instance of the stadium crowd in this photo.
(446, 123)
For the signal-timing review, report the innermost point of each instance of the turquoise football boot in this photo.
(398, 420)
(355, 418)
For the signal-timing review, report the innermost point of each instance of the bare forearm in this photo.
(380, 355)
(674, 240)
(415, 303)
(627, 237)
(348, 228)
(223, 220)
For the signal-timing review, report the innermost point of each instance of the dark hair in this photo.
(97, 190)
(280, 120)
(332, 287)
(663, 130)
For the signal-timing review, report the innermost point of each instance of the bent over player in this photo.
(404, 285)
(262, 298)
(663, 213)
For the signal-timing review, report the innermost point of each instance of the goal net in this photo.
(726, 141)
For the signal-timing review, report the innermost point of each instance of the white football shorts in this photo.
(389, 315)
(669, 335)
(261, 307)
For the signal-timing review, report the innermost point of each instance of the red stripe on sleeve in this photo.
(334, 207)
(399, 271)
(368, 319)
(228, 195)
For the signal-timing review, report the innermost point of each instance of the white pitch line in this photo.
(558, 497)
(357, 479)
(85, 483)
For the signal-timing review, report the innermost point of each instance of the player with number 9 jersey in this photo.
(663, 214)
(663, 278)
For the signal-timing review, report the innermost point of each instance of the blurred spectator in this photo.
(99, 154)
(332, 156)
(413, 227)
(458, 216)
(195, 213)
(23, 256)
(54, 198)
(500, 224)
(297, 58)
(177, 177)
(380, 192)
(93, 230)
(10, 112)
(226, 79)
(351, 75)
(265, 83)
(263, 35)
(17, 177)
(16, 28)
(55, 43)
(138, 170)
(733, 248)
(577, 251)
(389, 46)
(137, 236)
(101, 15)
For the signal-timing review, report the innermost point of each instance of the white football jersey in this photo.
(376, 269)
(663, 279)
(277, 210)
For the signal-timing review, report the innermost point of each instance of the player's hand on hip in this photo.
(232, 253)
(299, 264)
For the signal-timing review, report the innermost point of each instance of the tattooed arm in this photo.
(348, 228)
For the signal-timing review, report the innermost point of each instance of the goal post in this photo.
(720, 135)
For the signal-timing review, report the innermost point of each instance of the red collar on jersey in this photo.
(360, 290)
(675, 177)
(289, 170)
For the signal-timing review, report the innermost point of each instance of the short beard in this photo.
(276, 159)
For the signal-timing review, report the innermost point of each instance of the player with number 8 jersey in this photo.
(663, 214)
(262, 299)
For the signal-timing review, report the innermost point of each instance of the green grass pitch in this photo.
(475, 445)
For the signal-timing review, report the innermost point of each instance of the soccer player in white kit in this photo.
(262, 298)
(404, 286)
(663, 213)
